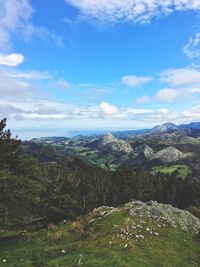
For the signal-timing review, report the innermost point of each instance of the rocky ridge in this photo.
(110, 143)
(144, 150)
(162, 215)
(173, 216)
(169, 154)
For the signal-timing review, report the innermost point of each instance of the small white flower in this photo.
(4, 260)
(80, 260)
(63, 251)
(156, 233)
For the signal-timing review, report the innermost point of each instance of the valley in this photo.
(165, 145)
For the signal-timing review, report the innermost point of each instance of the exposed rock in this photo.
(103, 212)
(162, 214)
(114, 144)
(144, 150)
(169, 154)
(119, 146)
(110, 143)
(173, 216)
(108, 138)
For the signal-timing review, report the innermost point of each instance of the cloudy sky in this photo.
(99, 64)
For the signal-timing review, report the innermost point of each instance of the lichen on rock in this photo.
(173, 216)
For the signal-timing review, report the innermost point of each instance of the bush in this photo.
(78, 228)
(195, 211)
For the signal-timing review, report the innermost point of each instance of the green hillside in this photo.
(182, 170)
(105, 237)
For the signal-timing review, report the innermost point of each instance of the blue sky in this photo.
(99, 64)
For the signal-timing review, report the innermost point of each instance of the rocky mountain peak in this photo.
(144, 150)
(169, 154)
(166, 127)
(111, 143)
(108, 138)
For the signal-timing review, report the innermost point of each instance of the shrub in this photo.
(78, 228)
(195, 211)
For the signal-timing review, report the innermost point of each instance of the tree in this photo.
(20, 181)
(9, 148)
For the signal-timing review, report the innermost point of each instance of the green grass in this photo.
(182, 170)
(101, 245)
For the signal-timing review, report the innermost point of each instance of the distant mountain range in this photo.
(162, 145)
(168, 127)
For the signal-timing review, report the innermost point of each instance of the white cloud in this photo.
(181, 77)
(15, 14)
(40, 113)
(11, 60)
(28, 75)
(194, 90)
(43, 33)
(11, 88)
(27, 106)
(108, 109)
(16, 17)
(168, 95)
(164, 111)
(143, 99)
(21, 85)
(133, 80)
(192, 48)
(193, 114)
(141, 11)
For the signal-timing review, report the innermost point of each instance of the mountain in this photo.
(137, 234)
(107, 139)
(165, 128)
(192, 125)
(143, 150)
(111, 144)
(171, 127)
(167, 139)
(166, 143)
(128, 133)
(191, 129)
(51, 140)
(169, 154)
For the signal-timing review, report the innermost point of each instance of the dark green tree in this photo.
(9, 148)
(20, 181)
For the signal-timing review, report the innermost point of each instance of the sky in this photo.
(98, 64)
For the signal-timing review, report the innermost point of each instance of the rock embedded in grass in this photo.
(174, 217)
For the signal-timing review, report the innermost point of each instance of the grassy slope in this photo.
(183, 170)
(171, 247)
